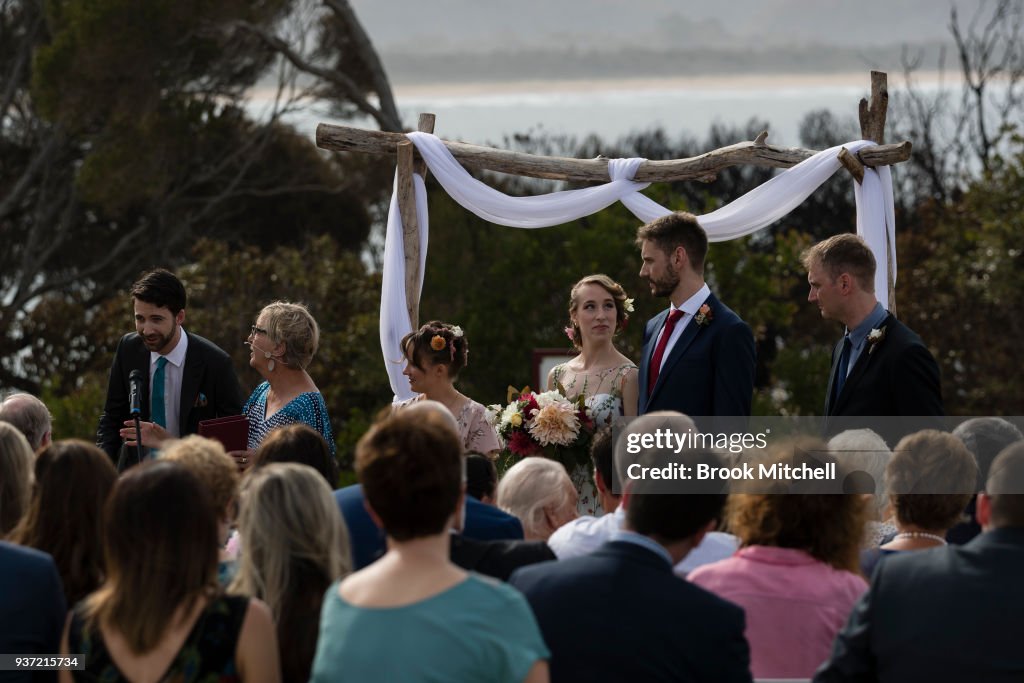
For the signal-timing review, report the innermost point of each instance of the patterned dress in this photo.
(604, 407)
(308, 408)
(208, 655)
(478, 436)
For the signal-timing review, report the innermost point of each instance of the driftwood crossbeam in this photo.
(704, 167)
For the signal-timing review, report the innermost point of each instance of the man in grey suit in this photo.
(950, 613)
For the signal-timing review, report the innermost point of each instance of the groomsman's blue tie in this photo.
(844, 365)
(158, 413)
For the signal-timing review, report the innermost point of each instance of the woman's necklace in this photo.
(921, 534)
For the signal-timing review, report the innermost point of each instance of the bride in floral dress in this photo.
(598, 309)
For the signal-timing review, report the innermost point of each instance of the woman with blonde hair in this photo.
(15, 477)
(598, 311)
(159, 616)
(796, 574)
(284, 340)
(294, 546)
(539, 492)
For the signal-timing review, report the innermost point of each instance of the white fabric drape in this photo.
(755, 210)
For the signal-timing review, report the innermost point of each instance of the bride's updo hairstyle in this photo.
(437, 343)
(610, 286)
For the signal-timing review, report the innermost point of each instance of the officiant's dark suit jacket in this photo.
(943, 614)
(709, 371)
(620, 614)
(209, 388)
(896, 377)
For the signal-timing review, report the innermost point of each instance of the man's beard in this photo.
(666, 285)
(162, 342)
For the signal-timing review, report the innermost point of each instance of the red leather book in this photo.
(232, 431)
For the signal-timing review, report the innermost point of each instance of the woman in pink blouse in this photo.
(795, 574)
(434, 356)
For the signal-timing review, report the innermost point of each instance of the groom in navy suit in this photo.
(698, 356)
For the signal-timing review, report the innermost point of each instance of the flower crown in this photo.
(438, 342)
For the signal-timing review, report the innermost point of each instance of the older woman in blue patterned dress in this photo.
(283, 342)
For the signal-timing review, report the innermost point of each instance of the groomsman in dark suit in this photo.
(185, 378)
(698, 356)
(880, 367)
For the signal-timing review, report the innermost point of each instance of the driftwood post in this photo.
(408, 165)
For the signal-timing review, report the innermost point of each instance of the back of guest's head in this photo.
(214, 467)
(863, 450)
(30, 416)
(162, 289)
(678, 229)
(481, 476)
(827, 525)
(15, 476)
(160, 551)
(843, 253)
(539, 492)
(299, 443)
(295, 326)
(985, 438)
(1005, 487)
(65, 518)
(292, 534)
(437, 343)
(411, 470)
(930, 479)
(675, 511)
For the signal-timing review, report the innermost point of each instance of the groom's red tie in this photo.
(659, 351)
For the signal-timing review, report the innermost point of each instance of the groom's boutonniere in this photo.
(875, 337)
(704, 315)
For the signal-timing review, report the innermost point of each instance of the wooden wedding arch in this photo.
(703, 168)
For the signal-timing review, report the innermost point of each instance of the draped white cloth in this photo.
(755, 210)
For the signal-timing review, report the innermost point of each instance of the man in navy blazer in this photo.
(880, 367)
(949, 613)
(199, 380)
(698, 356)
(32, 607)
(620, 614)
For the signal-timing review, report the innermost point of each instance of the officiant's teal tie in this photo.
(158, 412)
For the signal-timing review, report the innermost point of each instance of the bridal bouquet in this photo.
(546, 424)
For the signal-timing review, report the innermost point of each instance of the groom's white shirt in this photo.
(689, 308)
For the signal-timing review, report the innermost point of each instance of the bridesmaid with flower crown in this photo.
(434, 355)
(598, 310)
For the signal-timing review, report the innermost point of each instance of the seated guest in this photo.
(30, 416)
(32, 607)
(294, 546)
(302, 444)
(539, 492)
(586, 534)
(619, 613)
(283, 342)
(434, 356)
(795, 574)
(217, 471)
(15, 477)
(864, 452)
(413, 615)
(950, 613)
(482, 522)
(985, 438)
(497, 558)
(65, 518)
(931, 478)
(158, 608)
(481, 477)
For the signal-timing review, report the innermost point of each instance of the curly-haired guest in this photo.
(795, 573)
(434, 355)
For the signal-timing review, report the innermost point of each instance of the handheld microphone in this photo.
(135, 392)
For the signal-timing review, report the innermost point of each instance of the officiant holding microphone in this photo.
(283, 341)
(180, 378)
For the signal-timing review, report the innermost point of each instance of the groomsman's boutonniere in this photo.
(704, 315)
(875, 337)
